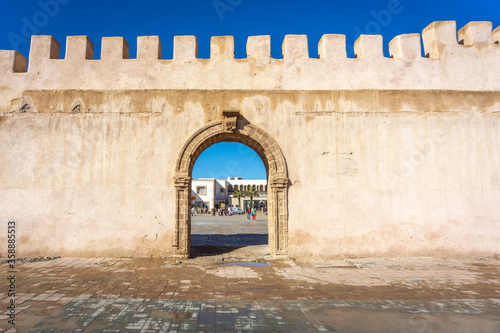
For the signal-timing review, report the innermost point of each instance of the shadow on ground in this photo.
(216, 244)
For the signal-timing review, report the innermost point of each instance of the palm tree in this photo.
(238, 194)
(251, 192)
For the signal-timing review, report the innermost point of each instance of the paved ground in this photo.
(242, 290)
(232, 235)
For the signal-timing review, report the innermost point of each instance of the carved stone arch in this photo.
(274, 161)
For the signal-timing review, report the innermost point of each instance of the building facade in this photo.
(258, 201)
(211, 192)
(208, 193)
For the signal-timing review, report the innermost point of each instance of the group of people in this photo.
(198, 211)
(222, 212)
(251, 212)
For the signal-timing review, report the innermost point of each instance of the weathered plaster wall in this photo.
(396, 185)
(400, 162)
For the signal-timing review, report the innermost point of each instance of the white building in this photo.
(210, 192)
(237, 183)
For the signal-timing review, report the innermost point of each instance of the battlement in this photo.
(465, 60)
(439, 38)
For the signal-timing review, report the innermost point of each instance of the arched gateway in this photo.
(238, 130)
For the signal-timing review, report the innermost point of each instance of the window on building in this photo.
(261, 188)
(201, 189)
(221, 190)
(236, 187)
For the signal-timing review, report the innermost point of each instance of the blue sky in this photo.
(241, 18)
(229, 159)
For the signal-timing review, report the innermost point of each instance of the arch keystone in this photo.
(230, 120)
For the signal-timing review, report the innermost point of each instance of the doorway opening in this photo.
(228, 180)
(233, 130)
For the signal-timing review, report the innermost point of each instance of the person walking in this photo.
(254, 213)
(248, 214)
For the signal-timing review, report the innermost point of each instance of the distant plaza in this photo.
(213, 193)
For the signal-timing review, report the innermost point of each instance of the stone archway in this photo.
(238, 130)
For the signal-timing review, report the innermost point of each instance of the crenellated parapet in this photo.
(467, 59)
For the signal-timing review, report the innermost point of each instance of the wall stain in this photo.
(309, 104)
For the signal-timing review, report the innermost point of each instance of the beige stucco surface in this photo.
(385, 157)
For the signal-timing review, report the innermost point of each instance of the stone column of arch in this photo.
(279, 205)
(182, 229)
(270, 153)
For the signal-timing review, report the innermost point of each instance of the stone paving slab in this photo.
(145, 315)
(228, 225)
(48, 289)
(232, 284)
(239, 240)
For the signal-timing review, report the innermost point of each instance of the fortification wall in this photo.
(385, 156)
(470, 65)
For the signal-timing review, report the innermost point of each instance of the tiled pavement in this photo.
(230, 234)
(130, 295)
(241, 289)
(139, 315)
